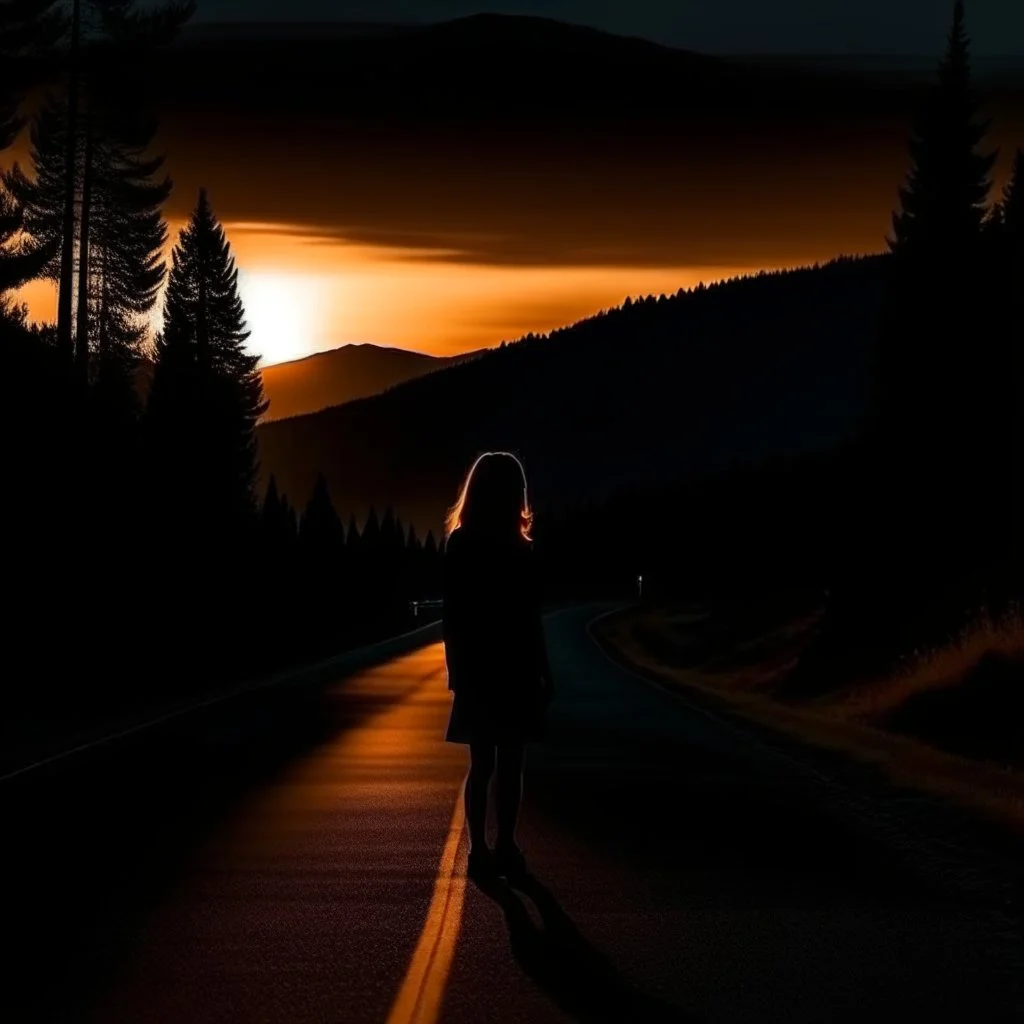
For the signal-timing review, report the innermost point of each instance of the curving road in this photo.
(296, 855)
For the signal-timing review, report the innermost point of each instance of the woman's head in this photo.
(493, 498)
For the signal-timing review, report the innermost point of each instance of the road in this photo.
(298, 856)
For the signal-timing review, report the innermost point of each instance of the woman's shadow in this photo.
(577, 977)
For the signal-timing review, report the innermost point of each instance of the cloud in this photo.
(868, 26)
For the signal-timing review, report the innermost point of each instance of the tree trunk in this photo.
(102, 318)
(1017, 427)
(82, 322)
(65, 338)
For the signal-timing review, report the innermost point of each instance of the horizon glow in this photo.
(305, 293)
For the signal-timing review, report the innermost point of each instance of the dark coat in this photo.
(494, 639)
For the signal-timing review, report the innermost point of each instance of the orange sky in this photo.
(448, 242)
(304, 293)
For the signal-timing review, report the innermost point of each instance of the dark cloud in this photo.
(606, 154)
(834, 26)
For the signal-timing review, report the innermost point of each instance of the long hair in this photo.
(493, 498)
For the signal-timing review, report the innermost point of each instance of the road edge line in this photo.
(422, 991)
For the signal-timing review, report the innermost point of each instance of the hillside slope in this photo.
(774, 364)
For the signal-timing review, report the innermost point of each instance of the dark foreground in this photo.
(275, 859)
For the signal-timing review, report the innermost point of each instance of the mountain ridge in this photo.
(348, 373)
(761, 367)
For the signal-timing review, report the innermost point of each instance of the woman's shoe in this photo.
(481, 864)
(510, 862)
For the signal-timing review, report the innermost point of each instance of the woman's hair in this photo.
(493, 498)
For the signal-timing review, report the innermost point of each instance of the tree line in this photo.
(140, 555)
(913, 527)
(943, 467)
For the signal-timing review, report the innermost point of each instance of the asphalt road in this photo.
(297, 856)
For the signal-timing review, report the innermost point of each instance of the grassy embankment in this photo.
(949, 721)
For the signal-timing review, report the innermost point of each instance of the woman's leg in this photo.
(510, 792)
(481, 768)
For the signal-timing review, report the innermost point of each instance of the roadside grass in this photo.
(951, 721)
(984, 643)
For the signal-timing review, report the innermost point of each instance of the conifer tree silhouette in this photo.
(388, 530)
(371, 535)
(98, 30)
(207, 394)
(278, 523)
(934, 366)
(27, 28)
(291, 523)
(943, 203)
(1012, 217)
(272, 508)
(321, 530)
(120, 265)
(352, 537)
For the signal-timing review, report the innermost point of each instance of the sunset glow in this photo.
(284, 309)
(307, 293)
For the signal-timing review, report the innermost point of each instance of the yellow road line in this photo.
(419, 999)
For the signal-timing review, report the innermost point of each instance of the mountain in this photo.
(343, 375)
(659, 389)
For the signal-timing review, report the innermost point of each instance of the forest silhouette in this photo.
(853, 428)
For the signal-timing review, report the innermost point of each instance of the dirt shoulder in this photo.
(735, 660)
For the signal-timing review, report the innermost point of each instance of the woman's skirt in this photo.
(496, 716)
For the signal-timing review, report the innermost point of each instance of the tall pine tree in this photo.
(207, 393)
(935, 361)
(98, 94)
(321, 531)
(943, 203)
(28, 28)
(123, 269)
(1012, 218)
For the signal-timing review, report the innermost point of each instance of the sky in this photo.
(721, 26)
(371, 197)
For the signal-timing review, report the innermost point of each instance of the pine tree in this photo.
(278, 524)
(934, 365)
(943, 204)
(321, 530)
(39, 199)
(291, 524)
(121, 269)
(207, 393)
(388, 530)
(1012, 203)
(129, 270)
(352, 537)
(371, 535)
(272, 507)
(1012, 219)
(97, 95)
(27, 28)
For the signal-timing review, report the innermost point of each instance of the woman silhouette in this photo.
(494, 648)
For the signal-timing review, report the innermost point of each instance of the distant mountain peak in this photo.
(341, 375)
(535, 29)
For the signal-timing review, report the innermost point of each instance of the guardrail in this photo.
(416, 606)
